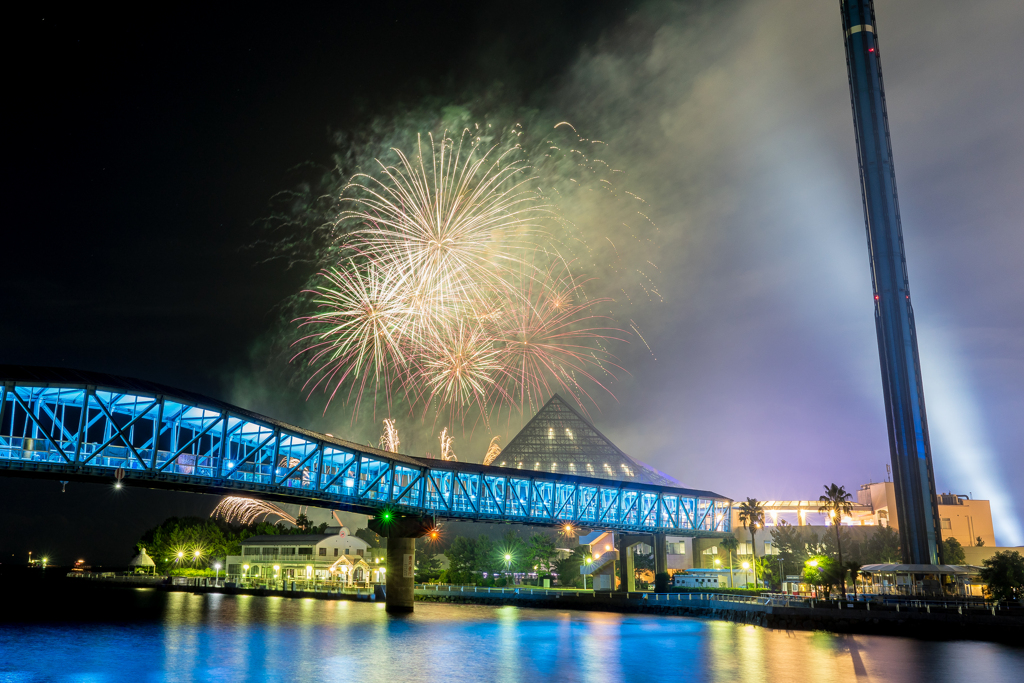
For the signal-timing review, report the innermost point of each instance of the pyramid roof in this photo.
(559, 439)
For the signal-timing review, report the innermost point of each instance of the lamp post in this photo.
(245, 573)
(216, 577)
(277, 571)
(588, 560)
(746, 568)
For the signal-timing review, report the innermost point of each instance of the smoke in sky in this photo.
(733, 121)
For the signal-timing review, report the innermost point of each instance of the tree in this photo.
(823, 572)
(542, 551)
(371, 538)
(568, 568)
(836, 502)
(1004, 575)
(461, 556)
(730, 545)
(978, 542)
(953, 552)
(189, 542)
(486, 557)
(512, 544)
(642, 563)
(752, 516)
(791, 544)
(883, 546)
(853, 567)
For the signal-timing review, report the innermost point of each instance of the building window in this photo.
(305, 551)
(335, 552)
(323, 552)
(769, 548)
(946, 524)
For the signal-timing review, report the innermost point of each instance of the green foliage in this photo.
(836, 504)
(568, 568)
(173, 544)
(752, 517)
(791, 544)
(826, 575)
(427, 561)
(953, 552)
(661, 581)
(883, 547)
(371, 538)
(643, 563)
(461, 555)
(512, 543)
(192, 572)
(1004, 574)
(542, 551)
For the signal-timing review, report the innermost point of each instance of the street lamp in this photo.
(245, 572)
(216, 577)
(588, 560)
(746, 567)
(277, 570)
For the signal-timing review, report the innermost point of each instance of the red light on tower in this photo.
(871, 49)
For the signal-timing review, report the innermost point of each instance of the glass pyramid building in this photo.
(559, 439)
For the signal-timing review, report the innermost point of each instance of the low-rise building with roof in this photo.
(335, 557)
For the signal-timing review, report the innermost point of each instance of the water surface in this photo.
(146, 635)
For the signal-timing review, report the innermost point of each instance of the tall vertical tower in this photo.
(909, 446)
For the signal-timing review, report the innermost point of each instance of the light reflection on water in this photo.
(187, 637)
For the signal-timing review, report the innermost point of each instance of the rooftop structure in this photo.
(558, 439)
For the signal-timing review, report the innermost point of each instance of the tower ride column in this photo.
(909, 446)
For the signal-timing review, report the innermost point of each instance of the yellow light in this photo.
(508, 558)
(196, 553)
(717, 561)
(277, 568)
(745, 565)
(588, 560)
(245, 567)
(813, 563)
(608, 547)
(181, 554)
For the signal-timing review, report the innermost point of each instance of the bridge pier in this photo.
(399, 579)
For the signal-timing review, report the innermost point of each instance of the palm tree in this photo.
(752, 517)
(836, 502)
(853, 566)
(730, 545)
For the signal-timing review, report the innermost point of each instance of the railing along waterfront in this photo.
(73, 425)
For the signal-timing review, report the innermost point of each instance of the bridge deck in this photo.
(67, 424)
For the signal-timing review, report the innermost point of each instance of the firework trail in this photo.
(389, 437)
(447, 445)
(248, 510)
(493, 451)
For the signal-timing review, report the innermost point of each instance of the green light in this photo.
(386, 516)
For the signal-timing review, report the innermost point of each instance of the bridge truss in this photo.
(97, 426)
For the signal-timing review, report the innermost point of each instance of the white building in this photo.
(338, 557)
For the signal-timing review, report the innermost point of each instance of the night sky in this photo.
(144, 149)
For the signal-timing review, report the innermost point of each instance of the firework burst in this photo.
(452, 292)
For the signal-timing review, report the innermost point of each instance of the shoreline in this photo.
(912, 622)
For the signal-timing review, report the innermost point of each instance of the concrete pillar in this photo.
(399, 578)
(628, 572)
(660, 553)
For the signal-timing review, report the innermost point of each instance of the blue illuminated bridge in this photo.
(73, 425)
